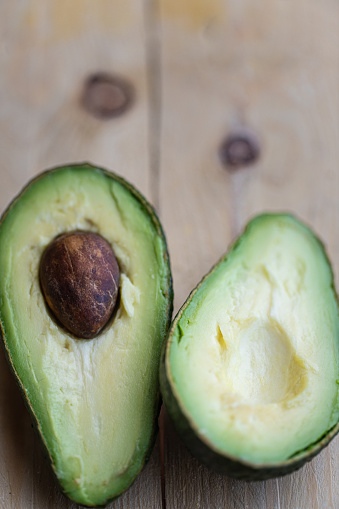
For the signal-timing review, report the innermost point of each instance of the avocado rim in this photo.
(202, 448)
(151, 213)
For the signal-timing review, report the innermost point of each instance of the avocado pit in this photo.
(79, 277)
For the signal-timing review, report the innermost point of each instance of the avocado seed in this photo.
(79, 278)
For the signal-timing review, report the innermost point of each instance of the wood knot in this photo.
(239, 149)
(106, 96)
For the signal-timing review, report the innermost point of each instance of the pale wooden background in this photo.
(201, 70)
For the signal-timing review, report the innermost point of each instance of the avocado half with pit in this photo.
(81, 235)
(250, 371)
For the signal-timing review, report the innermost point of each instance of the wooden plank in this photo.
(227, 67)
(48, 50)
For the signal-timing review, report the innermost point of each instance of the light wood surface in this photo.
(201, 71)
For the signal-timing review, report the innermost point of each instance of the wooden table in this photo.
(264, 74)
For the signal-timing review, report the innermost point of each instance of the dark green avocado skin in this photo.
(204, 451)
(168, 295)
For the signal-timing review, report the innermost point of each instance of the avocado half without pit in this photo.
(85, 304)
(250, 371)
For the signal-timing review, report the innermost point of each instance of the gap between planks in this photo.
(153, 71)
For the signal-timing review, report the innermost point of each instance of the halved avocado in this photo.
(94, 402)
(250, 371)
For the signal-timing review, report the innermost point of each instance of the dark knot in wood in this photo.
(239, 149)
(106, 96)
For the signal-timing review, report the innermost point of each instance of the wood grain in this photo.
(271, 68)
(201, 71)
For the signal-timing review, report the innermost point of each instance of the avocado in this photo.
(249, 373)
(94, 400)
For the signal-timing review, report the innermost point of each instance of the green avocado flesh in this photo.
(95, 402)
(251, 365)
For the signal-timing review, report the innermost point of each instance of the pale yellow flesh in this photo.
(94, 399)
(254, 359)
